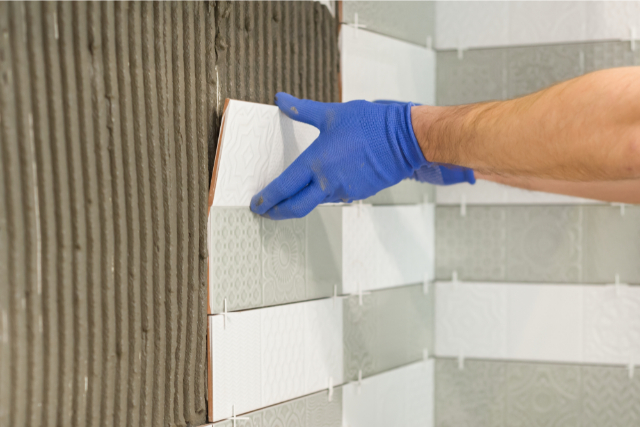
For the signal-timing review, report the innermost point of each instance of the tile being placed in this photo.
(509, 321)
(473, 396)
(387, 246)
(400, 397)
(370, 71)
(255, 262)
(490, 193)
(315, 410)
(266, 356)
(476, 77)
(256, 144)
(391, 328)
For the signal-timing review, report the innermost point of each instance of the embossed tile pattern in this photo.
(310, 411)
(270, 355)
(551, 244)
(528, 394)
(391, 328)
(256, 262)
(400, 397)
(554, 322)
(387, 246)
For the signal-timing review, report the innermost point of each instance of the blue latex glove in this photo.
(438, 174)
(362, 148)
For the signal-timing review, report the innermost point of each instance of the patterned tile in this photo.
(471, 320)
(234, 259)
(544, 244)
(474, 245)
(283, 260)
(609, 397)
(543, 395)
(477, 77)
(391, 328)
(612, 324)
(611, 244)
(324, 413)
(471, 397)
(536, 67)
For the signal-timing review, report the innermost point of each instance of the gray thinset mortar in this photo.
(106, 110)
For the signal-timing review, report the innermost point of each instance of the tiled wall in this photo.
(566, 252)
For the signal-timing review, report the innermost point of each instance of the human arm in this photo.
(584, 129)
(620, 191)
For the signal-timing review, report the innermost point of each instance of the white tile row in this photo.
(374, 67)
(484, 24)
(491, 193)
(401, 397)
(387, 246)
(536, 322)
(265, 356)
(256, 144)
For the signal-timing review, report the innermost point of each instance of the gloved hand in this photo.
(436, 173)
(362, 148)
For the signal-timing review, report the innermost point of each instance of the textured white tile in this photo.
(540, 22)
(612, 19)
(471, 24)
(491, 193)
(386, 246)
(471, 320)
(400, 397)
(257, 143)
(612, 324)
(270, 355)
(374, 66)
(544, 322)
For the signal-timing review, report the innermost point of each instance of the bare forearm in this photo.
(584, 129)
(620, 191)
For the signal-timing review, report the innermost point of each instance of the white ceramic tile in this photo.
(270, 355)
(401, 397)
(471, 320)
(544, 322)
(257, 143)
(608, 20)
(612, 326)
(387, 246)
(541, 22)
(374, 66)
(469, 24)
(491, 193)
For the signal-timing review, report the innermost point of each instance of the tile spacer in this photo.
(356, 24)
(460, 360)
(359, 389)
(425, 354)
(454, 276)
(632, 38)
(224, 314)
(330, 395)
(460, 49)
(360, 293)
(618, 285)
(463, 205)
(622, 206)
(233, 418)
(631, 367)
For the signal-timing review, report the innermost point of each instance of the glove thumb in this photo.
(302, 110)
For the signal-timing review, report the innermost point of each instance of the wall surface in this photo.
(107, 114)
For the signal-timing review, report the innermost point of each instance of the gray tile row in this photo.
(255, 262)
(553, 244)
(314, 410)
(504, 73)
(495, 394)
(391, 328)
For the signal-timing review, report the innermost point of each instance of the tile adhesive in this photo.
(109, 116)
